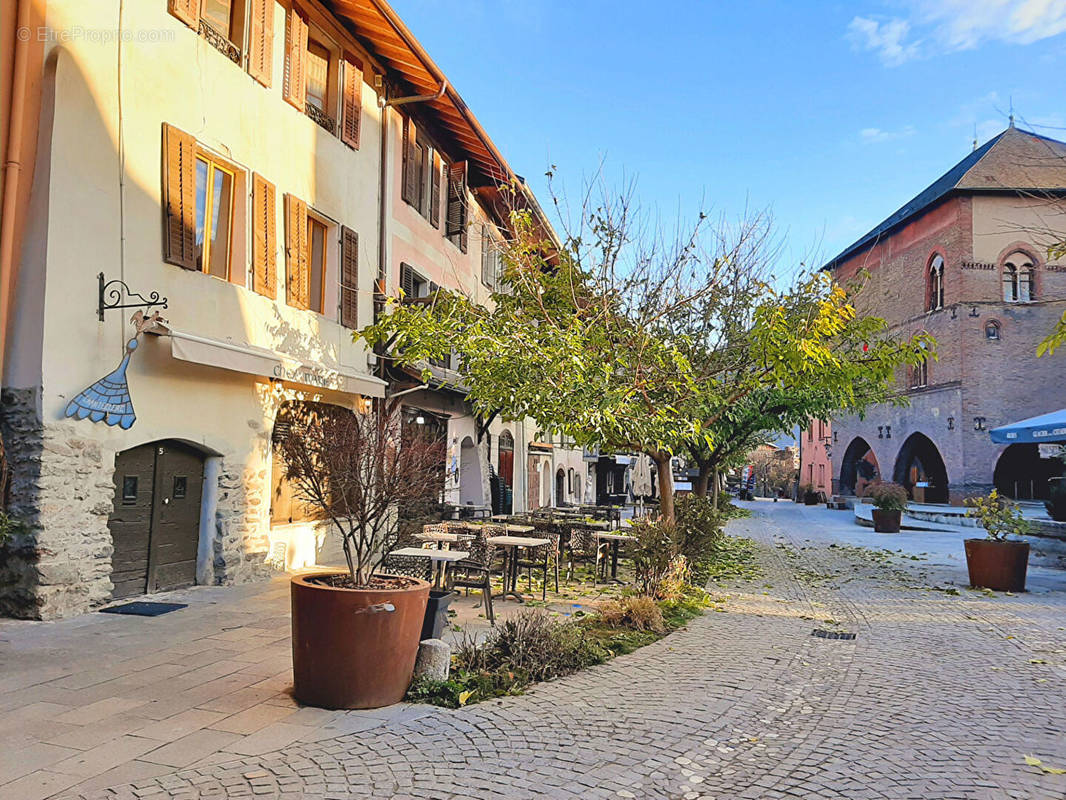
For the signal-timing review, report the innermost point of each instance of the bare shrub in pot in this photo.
(355, 633)
(358, 470)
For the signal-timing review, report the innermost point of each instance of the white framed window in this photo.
(936, 284)
(1018, 278)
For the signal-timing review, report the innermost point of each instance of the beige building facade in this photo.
(252, 163)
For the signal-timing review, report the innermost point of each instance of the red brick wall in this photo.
(1001, 381)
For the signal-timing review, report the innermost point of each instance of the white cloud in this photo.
(952, 25)
(876, 135)
(884, 37)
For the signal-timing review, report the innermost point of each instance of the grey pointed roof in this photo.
(1015, 160)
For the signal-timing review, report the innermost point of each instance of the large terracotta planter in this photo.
(349, 650)
(887, 521)
(1000, 566)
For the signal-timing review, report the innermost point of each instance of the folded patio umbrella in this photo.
(1044, 428)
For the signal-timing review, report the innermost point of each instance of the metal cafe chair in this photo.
(544, 556)
(475, 572)
(583, 548)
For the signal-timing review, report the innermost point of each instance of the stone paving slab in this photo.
(940, 695)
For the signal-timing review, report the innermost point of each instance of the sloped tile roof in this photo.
(1015, 160)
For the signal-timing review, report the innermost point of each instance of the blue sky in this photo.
(831, 113)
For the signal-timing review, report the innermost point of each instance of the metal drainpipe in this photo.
(12, 172)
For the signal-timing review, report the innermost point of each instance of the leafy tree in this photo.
(633, 340)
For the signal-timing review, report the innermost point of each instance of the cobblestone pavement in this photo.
(940, 695)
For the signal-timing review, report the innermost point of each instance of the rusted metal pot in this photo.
(1000, 566)
(354, 648)
(887, 521)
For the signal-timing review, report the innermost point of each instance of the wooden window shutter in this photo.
(179, 197)
(455, 222)
(409, 191)
(488, 258)
(407, 281)
(295, 59)
(434, 191)
(264, 238)
(353, 102)
(297, 280)
(188, 11)
(261, 41)
(349, 277)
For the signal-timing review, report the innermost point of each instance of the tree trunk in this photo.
(717, 483)
(703, 480)
(666, 485)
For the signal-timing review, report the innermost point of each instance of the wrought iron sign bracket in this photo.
(112, 293)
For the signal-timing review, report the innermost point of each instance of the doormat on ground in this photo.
(142, 608)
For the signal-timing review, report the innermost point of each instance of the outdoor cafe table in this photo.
(442, 538)
(510, 572)
(510, 527)
(440, 559)
(614, 540)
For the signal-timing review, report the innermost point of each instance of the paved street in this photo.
(940, 695)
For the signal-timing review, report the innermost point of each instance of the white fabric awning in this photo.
(266, 363)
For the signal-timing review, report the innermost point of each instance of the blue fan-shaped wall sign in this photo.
(108, 400)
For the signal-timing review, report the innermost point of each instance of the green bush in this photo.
(655, 551)
(634, 613)
(699, 528)
(1056, 502)
(997, 515)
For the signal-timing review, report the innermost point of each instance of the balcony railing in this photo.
(323, 119)
(220, 42)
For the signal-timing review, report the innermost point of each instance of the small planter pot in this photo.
(1000, 566)
(354, 648)
(887, 521)
(810, 500)
(436, 618)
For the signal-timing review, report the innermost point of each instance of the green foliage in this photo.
(1056, 502)
(888, 496)
(532, 646)
(9, 526)
(699, 527)
(997, 515)
(1055, 339)
(656, 551)
(633, 345)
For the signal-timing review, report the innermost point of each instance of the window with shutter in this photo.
(264, 238)
(456, 217)
(188, 11)
(488, 258)
(353, 102)
(434, 191)
(349, 278)
(179, 198)
(407, 281)
(297, 280)
(409, 189)
(295, 87)
(261, 41)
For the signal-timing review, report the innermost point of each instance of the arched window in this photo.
(992, 330)
(1018, 278)
(936, 284)
(920, 374)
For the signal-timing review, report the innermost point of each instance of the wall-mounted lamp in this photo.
(973, 312)
(954, 313)
(951, 423)
(888, 431)
(978, 423)
(880, 431)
